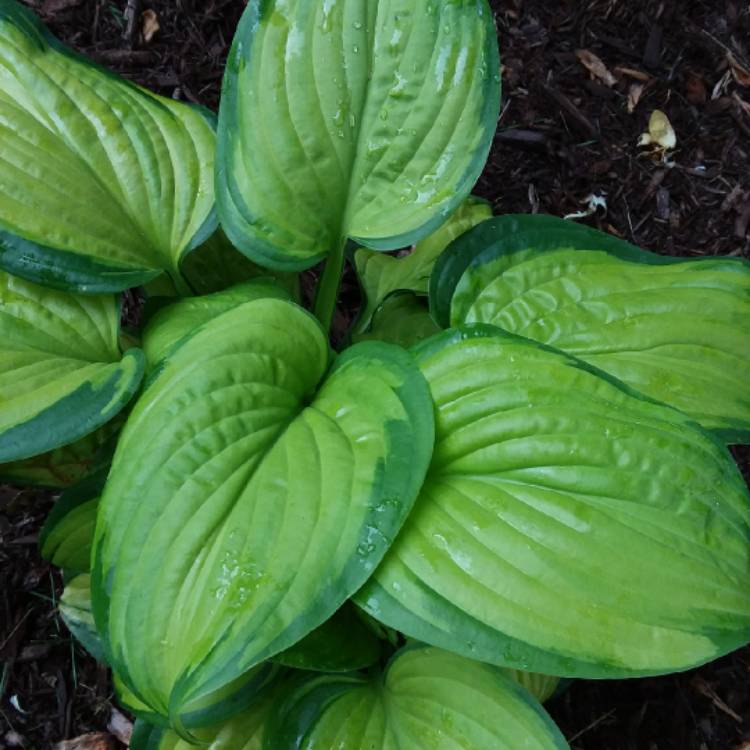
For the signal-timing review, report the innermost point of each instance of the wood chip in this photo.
(639, 75)
(705, 689)
(50, 7)
(696, 90)
(739, 72)
(596, 67)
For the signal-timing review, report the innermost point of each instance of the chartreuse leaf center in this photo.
(567, 525)
(615, 306)
(105, 185)
(372, 119)
(62, 374)
(427, 698)
(239, 466)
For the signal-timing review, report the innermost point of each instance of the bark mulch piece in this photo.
(568, 131)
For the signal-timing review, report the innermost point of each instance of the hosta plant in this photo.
(511, 469)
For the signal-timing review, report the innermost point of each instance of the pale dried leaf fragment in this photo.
(593, 204)
(596, 67)
(634, 95)
(660, 132)
(120, 726)
(149, 25)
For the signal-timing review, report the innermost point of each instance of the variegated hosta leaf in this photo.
(342, 644)
(381, 275)
(64, 466)
(210, 712)
(103, 185)
(352, 118)
(675, 329)
(68, 533)
(75, 610)
(567, 525)
(427, 698)
(402, 319)
(62, 374)
(245, 731)
(241, 462)
(175, 322)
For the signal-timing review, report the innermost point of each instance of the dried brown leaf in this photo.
(149, 25)
(596, 67)
(89, 741)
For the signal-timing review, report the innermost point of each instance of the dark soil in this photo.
(563, 137)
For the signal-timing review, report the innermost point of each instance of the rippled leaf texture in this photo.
(68, 533)
(675, 329)
(174, 323)
(402, 319)
(251, 494)
(567, 525)
(103, 185)
(342, 644)
(427, 698)
(61, 371)
(381, 275)
(64, 466)
(372, 118)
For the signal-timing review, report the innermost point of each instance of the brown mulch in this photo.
(565, 135)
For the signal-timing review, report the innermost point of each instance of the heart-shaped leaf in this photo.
(373, 120)
(567, 524)
(237, 467)
(103, 185)
(675, 329)
(61, 371)
(427, 698)
(381, 275)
